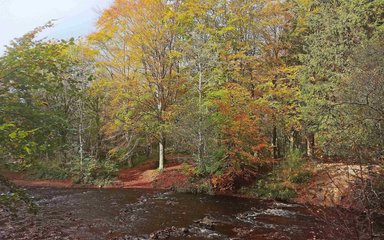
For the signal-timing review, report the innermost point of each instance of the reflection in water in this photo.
(145, 214)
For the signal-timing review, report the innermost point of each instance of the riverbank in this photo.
(332, 184)
(332, 187)
(144, 176)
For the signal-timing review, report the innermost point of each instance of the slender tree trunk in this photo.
(274, 142)
(161, 135)
(149, 150)
(161, 153)
(310, 144)
(98, 151)
(81, 136)
(130, 162)
(200, 140)
(292, 141)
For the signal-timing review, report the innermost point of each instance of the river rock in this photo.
(207, 222)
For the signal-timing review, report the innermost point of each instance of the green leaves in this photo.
(16, 142)
(335, 30)
(41, 83)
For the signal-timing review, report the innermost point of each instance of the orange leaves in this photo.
(233, 179)
(239, 123)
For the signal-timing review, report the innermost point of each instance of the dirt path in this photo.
(148, 176)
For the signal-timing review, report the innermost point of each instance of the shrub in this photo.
(274, 190)
(301, 177)
(15, 199)
(233, 179)
(47, 170)
(188, 169)
(205, 187)
(92, 171)
(293, 160)
(295, 168)
(281, 182)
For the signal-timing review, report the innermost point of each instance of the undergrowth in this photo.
(47, 170)
(13, 198)
(281, 183)
(95, 172)
(88, 171)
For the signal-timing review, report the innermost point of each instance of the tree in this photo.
(143, 36)
(198, 43)
(360, 106)
(40, 85)
(335, 29)
(237, 118)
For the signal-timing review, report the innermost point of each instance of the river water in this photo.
(148, 214)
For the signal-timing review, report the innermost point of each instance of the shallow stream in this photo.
(148, 214)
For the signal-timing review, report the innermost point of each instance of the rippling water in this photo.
(147, 214)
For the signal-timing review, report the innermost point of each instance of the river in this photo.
(149, 214)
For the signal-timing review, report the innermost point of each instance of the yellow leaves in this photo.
(175, 54)
(99, 36)
(137, 65)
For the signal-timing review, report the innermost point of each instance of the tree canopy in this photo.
(233, 83)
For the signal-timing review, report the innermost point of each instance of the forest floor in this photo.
(20, 179)
(147, 175)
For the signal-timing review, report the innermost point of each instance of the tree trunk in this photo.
(130, 162)
(149, 150)
(161, 153)
(98, 151)
(161, 134)
(274, 142)
(292, 140)
(310, 144)
(81, 136)
(200, 147)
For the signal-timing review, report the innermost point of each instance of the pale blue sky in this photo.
(74, 17)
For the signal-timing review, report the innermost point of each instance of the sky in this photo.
(74, 17)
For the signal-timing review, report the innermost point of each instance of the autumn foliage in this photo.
(233, 84)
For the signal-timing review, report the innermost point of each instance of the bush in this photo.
(273, 190)
(378, 188)
(295, 168)
(213, 164)
(293, 160)
(233, 179)
(94, 172)
(47, 170)
(281, 182)
(15, 199)
(301, 177)
(205, 187)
